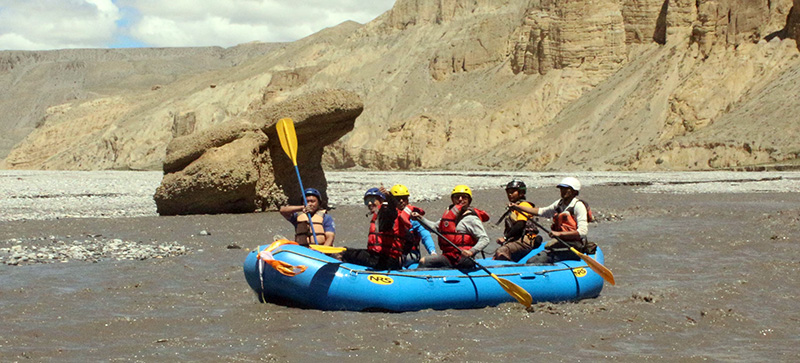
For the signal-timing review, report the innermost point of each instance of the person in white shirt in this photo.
(570, 224)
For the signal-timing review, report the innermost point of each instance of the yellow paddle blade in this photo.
(601, 270)
(288, 138)
(327, 249)
(515, 291)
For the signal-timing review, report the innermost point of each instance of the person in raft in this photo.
(462, 225)
(570, 223)
(519, 237)
(387, 233)
(417, 233)
(322, 222)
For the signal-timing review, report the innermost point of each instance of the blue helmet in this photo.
(374, 192)
(314, 192)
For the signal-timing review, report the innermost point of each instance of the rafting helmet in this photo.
(374, 192)
(314, 192)
(399, 190)
(570, 182)
(517, 184)
(461, 189)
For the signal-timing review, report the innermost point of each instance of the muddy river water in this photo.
(709, 275)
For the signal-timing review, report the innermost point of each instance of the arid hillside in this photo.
(485, 84)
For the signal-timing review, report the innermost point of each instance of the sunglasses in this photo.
(370, 200)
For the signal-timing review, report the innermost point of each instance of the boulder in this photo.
(240, 166)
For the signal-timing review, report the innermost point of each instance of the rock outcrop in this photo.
(33, 81)
(563, 34)
(793, 23)
(239, 166)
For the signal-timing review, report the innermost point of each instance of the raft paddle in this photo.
(502, 217)
(601, 270)
(288, 139)
(511, 288)
(327, 249)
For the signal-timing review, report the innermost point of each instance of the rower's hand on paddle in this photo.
(467, 253)
(501, 240)
(415, 215)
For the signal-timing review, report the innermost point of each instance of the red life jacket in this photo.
(389, 243)
(447, 227)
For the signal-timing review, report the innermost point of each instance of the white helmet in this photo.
(570, 182)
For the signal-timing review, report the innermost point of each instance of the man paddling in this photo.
(570, 224)
(462, 226)
(519, 237)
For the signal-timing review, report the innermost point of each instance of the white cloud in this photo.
(53, 24)
(226, 23)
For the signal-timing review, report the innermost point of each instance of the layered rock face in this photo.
(563, 34)
(643, 21)
(240, 167)
(488, 84)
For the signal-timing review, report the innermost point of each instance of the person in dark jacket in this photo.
(387, 233)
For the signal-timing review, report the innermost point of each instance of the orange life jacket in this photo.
(447, 227)
(565, 222)
(302, 232)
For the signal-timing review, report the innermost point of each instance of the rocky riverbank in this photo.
(49, 195)
(50, 250)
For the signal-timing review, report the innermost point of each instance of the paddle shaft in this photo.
(288, 138)
(429, 228)
(517, 292)
(601, 270)
(305, 203)
(502, 217)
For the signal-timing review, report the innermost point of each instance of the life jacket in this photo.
(564, 221)
(447, 227)
(389, 243)
(302, 232)
(512, 218)
(412, 239)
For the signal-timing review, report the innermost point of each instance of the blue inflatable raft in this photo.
(329, 284)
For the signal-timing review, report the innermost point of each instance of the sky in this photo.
(61, 24)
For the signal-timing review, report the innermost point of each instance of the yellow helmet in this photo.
(461, 189)
(399, 190)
